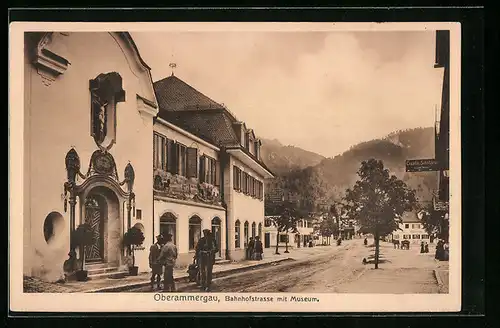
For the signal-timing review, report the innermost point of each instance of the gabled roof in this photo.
(173, 94)
(212, 125)
(410, 217)
(189, 109)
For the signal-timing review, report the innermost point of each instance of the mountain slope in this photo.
(327, 180)
(283, 159)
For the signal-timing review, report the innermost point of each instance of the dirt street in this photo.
(318, 274)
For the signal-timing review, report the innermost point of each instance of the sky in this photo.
(321, 91)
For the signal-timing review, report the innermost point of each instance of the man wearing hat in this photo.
(156, 267)
(205, 253)
(168, 257)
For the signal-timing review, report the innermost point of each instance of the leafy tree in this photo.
(287, 216)
(434, 222)
(377, 201)
(328, 227)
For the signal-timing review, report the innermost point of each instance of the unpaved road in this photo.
(322, 273)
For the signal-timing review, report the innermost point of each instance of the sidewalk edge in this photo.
(144, 283)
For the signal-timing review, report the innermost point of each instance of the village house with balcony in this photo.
(208, 172)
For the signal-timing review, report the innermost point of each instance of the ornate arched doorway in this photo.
(101, 211)
(216, 231)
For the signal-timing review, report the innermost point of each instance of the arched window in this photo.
(260, 231)
(194, 231)
(168, 225)
(254, 233)
(216, 232)
(245, 234)
(237, 234)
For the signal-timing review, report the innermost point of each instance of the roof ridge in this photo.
(189, 86)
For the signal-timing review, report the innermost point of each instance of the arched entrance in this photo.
(101, 210)
(216, 231)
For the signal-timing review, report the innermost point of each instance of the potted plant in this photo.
(133, 237)
(82, 237)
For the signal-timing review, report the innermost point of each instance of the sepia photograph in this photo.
(235, 167)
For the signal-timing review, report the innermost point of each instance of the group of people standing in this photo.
(442, 251)
(424, 247)
(163, 256)
(254, 249)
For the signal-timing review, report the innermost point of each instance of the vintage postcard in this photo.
(235, 167)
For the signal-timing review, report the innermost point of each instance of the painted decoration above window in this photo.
(105, 92)
(179, 187)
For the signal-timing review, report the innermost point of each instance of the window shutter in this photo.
(175, 157)
(217, 173)
(202, 169)
(192, 162)
(163, 154)
(172, 157)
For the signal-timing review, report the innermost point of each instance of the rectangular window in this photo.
(172, 155)
(416, 237)
(407, 226)
(425, 237)
(284, 238)
(415, 226)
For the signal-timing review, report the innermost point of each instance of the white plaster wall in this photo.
(60, 119)
(244, 208)
(183, 212)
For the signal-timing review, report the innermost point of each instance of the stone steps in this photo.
(104, 270)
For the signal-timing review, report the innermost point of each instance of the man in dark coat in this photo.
(258, 249)
(205, 253)
(156, 267)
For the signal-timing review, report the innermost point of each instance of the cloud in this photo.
(323, 92)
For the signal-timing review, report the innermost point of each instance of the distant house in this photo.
(412, 229)
(297, 239)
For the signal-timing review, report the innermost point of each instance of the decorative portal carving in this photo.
(102, 162)
(106, 91)
(129, 176)
(48, 63)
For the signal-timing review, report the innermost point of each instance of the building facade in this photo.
(220, 164)
(88, 121)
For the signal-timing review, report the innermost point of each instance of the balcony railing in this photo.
(179, 187)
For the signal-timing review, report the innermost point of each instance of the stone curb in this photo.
(183, 278)
(438, 278)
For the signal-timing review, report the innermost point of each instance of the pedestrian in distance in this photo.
(167, 258)
(205, 252)
(156, 267)
(365, 242)
(439, 251)
(422, 248)
(258, 249)
(426, 248)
